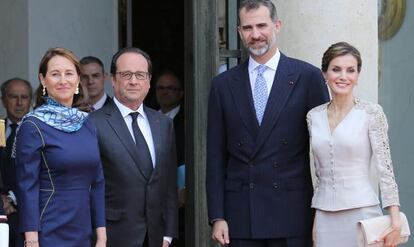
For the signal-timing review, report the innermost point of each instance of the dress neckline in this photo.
(340, 123)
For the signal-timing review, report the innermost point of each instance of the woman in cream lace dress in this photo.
(348, 136)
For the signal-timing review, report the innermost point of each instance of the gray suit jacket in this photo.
(136, 204)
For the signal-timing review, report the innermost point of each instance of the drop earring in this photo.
(77, 90)
(44, 90)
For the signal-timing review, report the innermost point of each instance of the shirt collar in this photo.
(125, 111)
(172, 113)
(271, 64)
(100, 102)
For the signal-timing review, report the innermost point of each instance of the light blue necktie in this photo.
(260, 93)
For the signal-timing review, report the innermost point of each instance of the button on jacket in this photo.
(344, 157)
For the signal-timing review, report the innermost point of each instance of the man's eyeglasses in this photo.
(168, 88)
(127, 75)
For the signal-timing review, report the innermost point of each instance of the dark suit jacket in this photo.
(258, 178)
(1, 188)
(179, 127)
(8, 171)
(135, 203)
(108, 100)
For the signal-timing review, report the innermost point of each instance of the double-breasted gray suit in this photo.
(135, 202)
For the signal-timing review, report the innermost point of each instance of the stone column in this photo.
(201, 61)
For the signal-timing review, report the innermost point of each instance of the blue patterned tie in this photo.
(260, 93)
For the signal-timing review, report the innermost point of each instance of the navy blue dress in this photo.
(60, 183)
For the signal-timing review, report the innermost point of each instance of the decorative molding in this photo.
(391, 16)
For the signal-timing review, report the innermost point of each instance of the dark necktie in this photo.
(10, 140)
(142, 146)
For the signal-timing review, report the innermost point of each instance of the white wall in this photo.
(85, 27)
(13, 41)
(29, 28)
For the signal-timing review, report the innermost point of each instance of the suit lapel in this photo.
(108, 100)
(116, 121)
(242, 96)
(283, 84)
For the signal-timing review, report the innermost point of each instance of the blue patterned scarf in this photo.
(59, 116)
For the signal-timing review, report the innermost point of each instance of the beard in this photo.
(262, 50)
(259, 51)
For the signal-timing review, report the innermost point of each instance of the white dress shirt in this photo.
(143, 125)
(100, 102)
(8, 128)
(269, 73)
(172, 113)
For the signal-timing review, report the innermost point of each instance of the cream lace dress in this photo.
(343, 157)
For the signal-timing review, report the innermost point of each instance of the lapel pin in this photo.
(291, 82)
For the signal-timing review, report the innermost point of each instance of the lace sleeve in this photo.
(378, 134)
(309, 122)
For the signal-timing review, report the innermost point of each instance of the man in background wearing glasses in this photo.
(137, 148)
(169, 93)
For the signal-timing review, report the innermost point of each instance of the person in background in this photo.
(258, 172)
(60, 182)
(169, 94)
(16, 95)
(4, 229)
(348, 136)
(137, 149)
(1, 201)
(93, 80)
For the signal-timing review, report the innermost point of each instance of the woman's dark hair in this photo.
(337, 50)
(79, 100)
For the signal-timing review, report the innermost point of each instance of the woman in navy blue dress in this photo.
(59, 173)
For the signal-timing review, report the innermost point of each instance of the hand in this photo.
(100, 243)
(31, 239)
(314, 232)
(100, 236)
(221, 232)
(165, 243)
(34, 244)
(390, 236)
(8, 207)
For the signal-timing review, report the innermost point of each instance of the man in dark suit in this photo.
(137, 149)
(1, 201)
(93, 80)
(259, 185)
(169, 93)
(16, 95)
